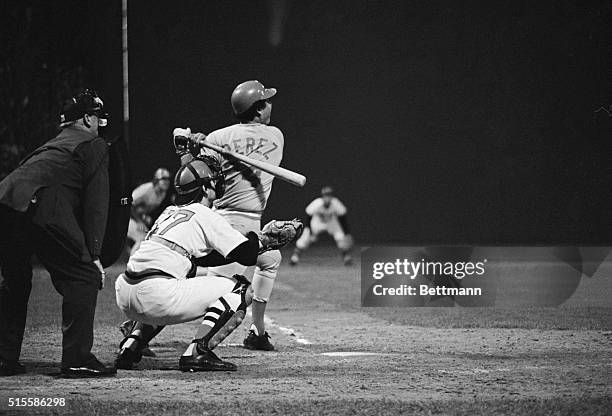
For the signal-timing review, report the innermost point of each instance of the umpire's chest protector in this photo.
(119, 203)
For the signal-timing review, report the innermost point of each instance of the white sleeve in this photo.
(221, 236)
(312, 208)
(139, 193)
(339, 207)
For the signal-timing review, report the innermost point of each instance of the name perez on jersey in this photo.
(250, 146)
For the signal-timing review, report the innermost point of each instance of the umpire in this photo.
(55, 205)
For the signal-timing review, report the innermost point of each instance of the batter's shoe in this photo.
(294, 259)
(206, 361)
(10, 368)
(258, 342)
(348, 260)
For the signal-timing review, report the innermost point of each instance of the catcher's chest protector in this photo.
(119, 204)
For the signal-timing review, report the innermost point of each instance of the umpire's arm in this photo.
(94, 157)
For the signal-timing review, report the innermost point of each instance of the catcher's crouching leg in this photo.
(223, 317)
(137, 337)
(126, 328)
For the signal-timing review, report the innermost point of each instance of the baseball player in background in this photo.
(158, 287)
(326, 214)
(248, 188)
(148, 202)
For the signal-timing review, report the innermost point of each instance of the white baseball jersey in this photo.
(319, 212)
(247, 188)
(145, 199)
(195, 228)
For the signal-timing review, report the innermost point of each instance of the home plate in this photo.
(350, 353)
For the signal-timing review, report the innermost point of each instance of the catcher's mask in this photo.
(193, 178)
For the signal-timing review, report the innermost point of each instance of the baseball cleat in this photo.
(258, 342)
(207, 361)
(127, 358)
(294, 260)
(348, 260)
(148, 352)
(126, 329)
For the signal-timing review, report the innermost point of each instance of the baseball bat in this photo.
(287, 175)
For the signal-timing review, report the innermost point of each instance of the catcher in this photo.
(157, 288)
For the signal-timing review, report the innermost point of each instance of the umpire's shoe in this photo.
(93, 368)
(253, 341)
(10, 368)
(205, 361)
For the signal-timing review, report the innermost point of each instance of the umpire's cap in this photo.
(85, 102)
(248, 93)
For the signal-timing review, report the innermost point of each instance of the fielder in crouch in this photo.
(148, 202)
(326, 214)
(248, 189)
(157, 290)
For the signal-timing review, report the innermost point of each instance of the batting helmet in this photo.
(85, 102)
(248, 93)
(196, 174)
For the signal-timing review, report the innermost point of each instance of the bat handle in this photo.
(197, 138)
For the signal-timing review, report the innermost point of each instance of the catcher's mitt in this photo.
(277, 234)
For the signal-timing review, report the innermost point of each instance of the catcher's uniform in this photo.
(246, 194)
(154, 289)
(324, 219)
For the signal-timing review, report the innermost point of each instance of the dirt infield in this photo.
(334, 357)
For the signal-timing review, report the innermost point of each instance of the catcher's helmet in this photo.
(85, 102)
(200, 172)
(248, 93)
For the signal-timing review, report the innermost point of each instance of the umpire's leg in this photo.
(78, 283)
(15, 254)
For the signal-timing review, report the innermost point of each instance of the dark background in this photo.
(436, 123)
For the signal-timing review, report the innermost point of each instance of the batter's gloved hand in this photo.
(181, 138)
(278, 233)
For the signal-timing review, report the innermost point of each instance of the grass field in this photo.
(335, 357)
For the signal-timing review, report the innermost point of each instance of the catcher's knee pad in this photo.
(265, 273)
(230, 317)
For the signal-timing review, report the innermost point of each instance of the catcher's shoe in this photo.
(206, 361)
(126, 328)
(258, 342)
(127, 358)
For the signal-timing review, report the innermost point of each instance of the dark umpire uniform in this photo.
(55, 205)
